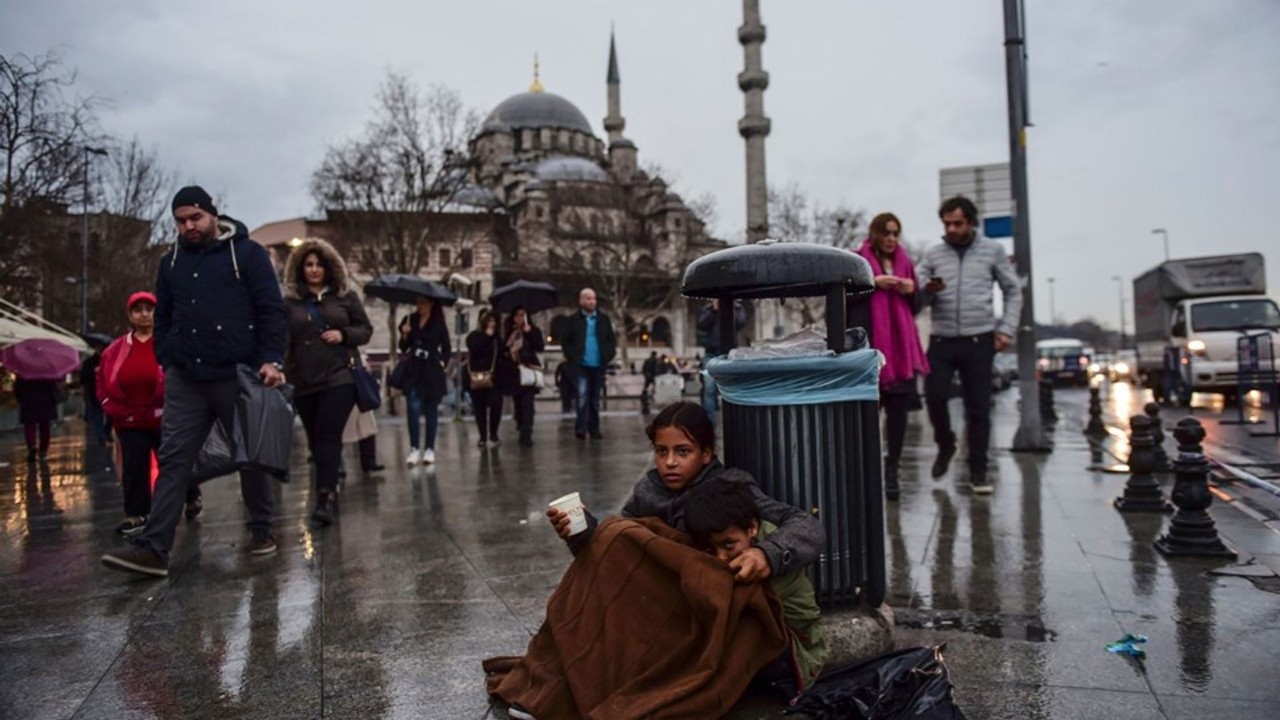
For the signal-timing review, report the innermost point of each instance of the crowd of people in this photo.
(218, 305)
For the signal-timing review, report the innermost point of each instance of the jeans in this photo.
(136, 447)
(522, 407)
(590, 383)
(487, 405)
(896, 406)
(972, 358)
(190, 409)
(417, 407)
(324, 414)
(29, 430)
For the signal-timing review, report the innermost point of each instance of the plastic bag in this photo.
(809, 341)
(912, 683)
(261, 436)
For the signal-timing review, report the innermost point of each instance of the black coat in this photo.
(37, 400)
(218, 304)
(574, 340)
(313, 364)
(509, 371)
(427, 350)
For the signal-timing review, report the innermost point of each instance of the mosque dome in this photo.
(537, 110)
(570, 168)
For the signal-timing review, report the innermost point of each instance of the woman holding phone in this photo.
(893, 332)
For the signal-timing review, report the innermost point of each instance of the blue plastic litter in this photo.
(803, 380)
(1128, 645)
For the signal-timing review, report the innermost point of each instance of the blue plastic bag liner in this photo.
(804, 380)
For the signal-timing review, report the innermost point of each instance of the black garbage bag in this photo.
(261, 435)
(912, 683)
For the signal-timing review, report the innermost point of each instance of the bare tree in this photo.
(611, 237)
(389, 193)
(794, 217)
(44, 125)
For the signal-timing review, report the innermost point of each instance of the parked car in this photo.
(1063, 360)
(1124, 367)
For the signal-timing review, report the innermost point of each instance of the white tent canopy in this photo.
(17, 325)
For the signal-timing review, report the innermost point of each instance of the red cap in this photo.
(140, 296)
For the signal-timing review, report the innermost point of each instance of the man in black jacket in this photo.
(589, 345)
(709, 337)
(218, 305)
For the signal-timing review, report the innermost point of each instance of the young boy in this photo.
(723, 518)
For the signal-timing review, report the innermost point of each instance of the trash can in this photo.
(806, 427)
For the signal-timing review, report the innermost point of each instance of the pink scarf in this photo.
(893, 326)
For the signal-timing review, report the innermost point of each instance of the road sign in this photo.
(1000, 226)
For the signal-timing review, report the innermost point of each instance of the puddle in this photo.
(1011, 627)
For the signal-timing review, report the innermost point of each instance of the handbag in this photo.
(483, 379)
(532, 377)
(368, 392)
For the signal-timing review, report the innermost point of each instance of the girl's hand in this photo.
(886, 282)
(559, 521)
(906, 287)
(404, 328)
(333, 337)
(751, 566)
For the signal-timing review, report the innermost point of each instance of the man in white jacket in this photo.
(966, 334)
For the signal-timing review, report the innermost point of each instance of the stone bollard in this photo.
(1141, 491)
(1047, 412)
(1192, 531)
(1096, 428)
(1157, 434)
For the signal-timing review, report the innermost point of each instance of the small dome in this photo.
(538, 110)
(477, 197)
(570, 168)
(494, 124)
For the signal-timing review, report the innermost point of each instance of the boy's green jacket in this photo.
(800, 611)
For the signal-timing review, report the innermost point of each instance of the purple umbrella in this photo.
(40, 359)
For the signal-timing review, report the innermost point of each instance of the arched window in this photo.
(645, 264)
(662, 331)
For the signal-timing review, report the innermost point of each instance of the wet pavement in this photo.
(389, 612)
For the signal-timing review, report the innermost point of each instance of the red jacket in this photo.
(123, 413)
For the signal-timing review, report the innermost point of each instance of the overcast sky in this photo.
(1148, 113)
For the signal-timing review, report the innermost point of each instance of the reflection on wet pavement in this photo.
(428, 570)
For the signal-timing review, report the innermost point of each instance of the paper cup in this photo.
(572, 506)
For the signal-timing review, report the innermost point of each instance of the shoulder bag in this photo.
(368, 392)
(483, 379)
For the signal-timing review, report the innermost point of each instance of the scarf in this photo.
(515, 343)
(893, 325)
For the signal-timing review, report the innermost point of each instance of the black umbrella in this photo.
(406, 289)
(97, 339)
(532, 296)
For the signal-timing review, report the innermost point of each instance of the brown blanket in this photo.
(643, 626)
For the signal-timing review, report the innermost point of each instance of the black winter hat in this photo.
(194, 195)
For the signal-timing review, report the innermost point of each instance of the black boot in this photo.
(891, 490)
(326, 507)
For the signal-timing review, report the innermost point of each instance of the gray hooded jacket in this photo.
(966, 306)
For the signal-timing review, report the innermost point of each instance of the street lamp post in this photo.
(1165, 234)
(84, 242)
(1053, 313)
(1120, 291)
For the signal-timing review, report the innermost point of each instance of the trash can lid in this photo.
(771, 269)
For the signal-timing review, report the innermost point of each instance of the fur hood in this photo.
(338, 284)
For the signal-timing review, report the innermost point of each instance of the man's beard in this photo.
(202, 237)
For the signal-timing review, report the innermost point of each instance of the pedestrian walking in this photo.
(966, 334)
(327, 323)
(709, 338)
(894, 333)
(485, 353)
(38, 402)
(649, 368)
(218, 305)
(519, 377)
(567, 386)
(95, 421)
(589, 345)
(129, 384)
(362, 429)
(424, 340)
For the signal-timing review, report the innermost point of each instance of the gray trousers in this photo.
(190, 409)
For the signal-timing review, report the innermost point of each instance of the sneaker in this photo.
(429, 456)
(482, 444)
(194, 507)
(943, 462)
(980, 484)
(326, 507)
(263, 543)
(519, 713)
(132, 526)
(494, 443)
(137, 559)
(414, 457)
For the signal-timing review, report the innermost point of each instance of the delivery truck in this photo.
(1188, 315)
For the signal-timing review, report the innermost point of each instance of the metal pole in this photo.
(1120, 292)
(1165, 235)
(1053, 313)
(1030, 436)
(84, 249)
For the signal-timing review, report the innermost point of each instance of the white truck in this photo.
(1188, 315)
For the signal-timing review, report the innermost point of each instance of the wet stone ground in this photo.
(389, 612)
